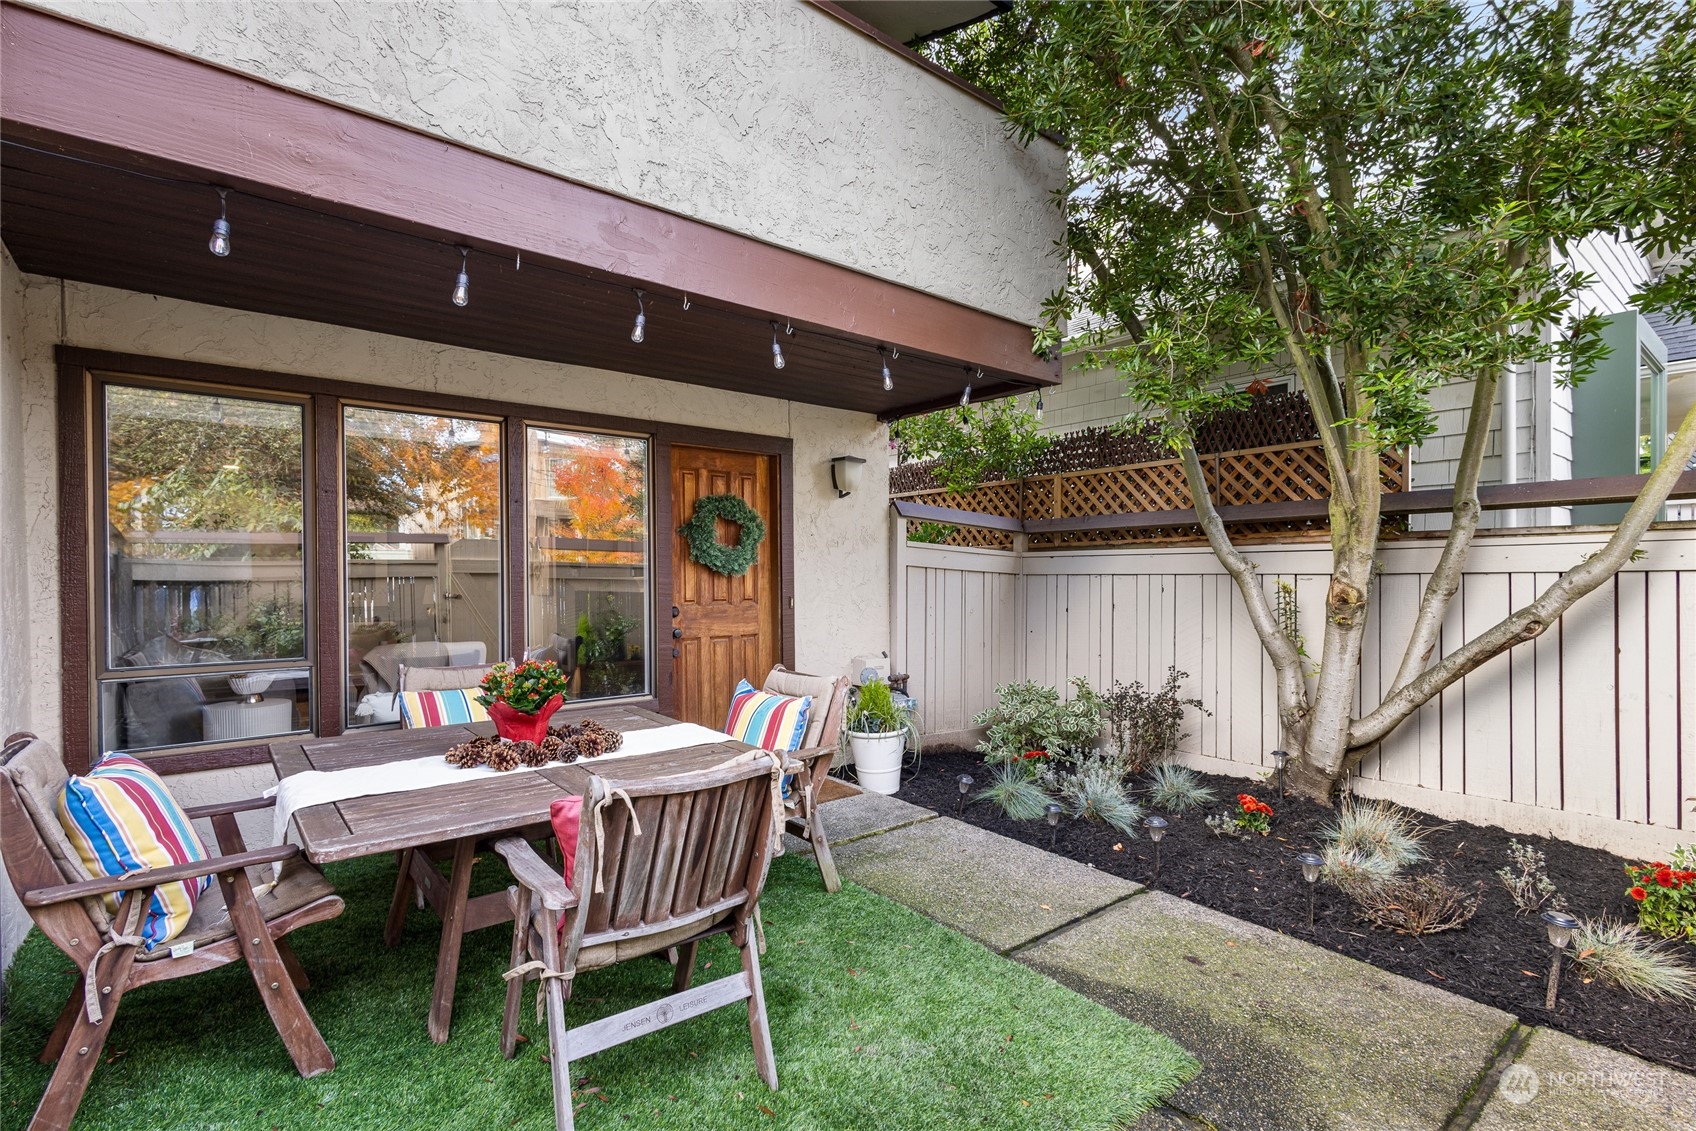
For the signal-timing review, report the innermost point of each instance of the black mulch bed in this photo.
(1500, 958)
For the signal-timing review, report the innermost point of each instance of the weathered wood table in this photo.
(450, 821)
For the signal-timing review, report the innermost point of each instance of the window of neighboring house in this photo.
(203, 623)
(423, 530)
(586, 523)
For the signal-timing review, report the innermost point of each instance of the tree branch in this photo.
(1531, 621)
(1463, 524)
(1286, 660)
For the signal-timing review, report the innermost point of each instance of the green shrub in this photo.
(1030, 716)
(1143, 726)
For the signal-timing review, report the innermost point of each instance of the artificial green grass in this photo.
(880, 1018)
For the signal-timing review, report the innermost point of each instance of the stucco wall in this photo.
(16, 681)
(767, 117)
(841, 554)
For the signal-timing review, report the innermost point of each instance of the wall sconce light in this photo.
(845, 474)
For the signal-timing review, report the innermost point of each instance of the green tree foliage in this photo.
(1373, 196)
(973, 444)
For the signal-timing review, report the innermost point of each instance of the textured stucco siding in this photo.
(16, 679)
(766, 117)
(841, 545)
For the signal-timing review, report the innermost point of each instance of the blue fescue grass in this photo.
(880, 1018)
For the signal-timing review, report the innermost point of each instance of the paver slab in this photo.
(1560, 1083)
(1291, 1036)
(864, 814)
(993, 889)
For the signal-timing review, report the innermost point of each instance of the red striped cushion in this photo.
(771, 722)
(120, 818)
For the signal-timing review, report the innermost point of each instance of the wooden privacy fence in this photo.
(1588, 732)
(1277, 473)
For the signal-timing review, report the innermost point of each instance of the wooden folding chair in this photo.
(660, 864)
(818, 751)
(229, 923)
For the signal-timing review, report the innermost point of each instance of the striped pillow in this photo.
(441, 708)
(120, 817)
(771, 722)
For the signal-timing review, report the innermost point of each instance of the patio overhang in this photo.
(114, 148)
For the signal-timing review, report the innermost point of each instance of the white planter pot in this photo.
(877, 759)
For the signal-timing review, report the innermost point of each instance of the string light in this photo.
(1039, 404)
(219, 244)
(462, 284)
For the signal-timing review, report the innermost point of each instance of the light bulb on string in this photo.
(776, 350)
(219, 244)
(1039, 404)
(640, 330)
(888, 381)
(462, 283)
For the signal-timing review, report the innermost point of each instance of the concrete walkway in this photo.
(1291, 1037)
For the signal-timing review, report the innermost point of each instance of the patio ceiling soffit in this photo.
(115, 148)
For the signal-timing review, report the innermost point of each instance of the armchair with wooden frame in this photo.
(660, 864)
(230, 923)
(817, 753)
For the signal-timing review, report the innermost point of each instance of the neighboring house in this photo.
(244, 488)
(1678, 335)
(1625, 408)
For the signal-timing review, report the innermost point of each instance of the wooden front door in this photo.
(727, 628)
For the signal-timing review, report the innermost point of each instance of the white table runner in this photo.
(324, 787)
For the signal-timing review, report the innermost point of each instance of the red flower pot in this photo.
(516, 726)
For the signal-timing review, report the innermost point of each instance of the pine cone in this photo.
(553, 744)
(591, 745)
(531, 755)
(466, 754)
(504, 758)
(610, 739)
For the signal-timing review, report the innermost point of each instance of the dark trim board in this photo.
(76, 367)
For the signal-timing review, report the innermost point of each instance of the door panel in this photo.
(729, 625)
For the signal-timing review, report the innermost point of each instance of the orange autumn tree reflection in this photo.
(422, 473)
(599, 488)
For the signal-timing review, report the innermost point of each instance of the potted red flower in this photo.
(522, 699)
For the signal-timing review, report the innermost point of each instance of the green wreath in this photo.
(702, 532)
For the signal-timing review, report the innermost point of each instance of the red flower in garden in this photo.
(1663, 876)
(1034, 754)
(1637, 894)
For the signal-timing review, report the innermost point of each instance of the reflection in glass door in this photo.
(587, 525)
(423, 503)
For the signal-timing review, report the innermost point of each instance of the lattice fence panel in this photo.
(1278, 473)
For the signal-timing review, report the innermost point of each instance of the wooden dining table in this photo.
(450, 822)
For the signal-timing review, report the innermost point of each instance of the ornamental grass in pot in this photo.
(878, 733)
(522, 698)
